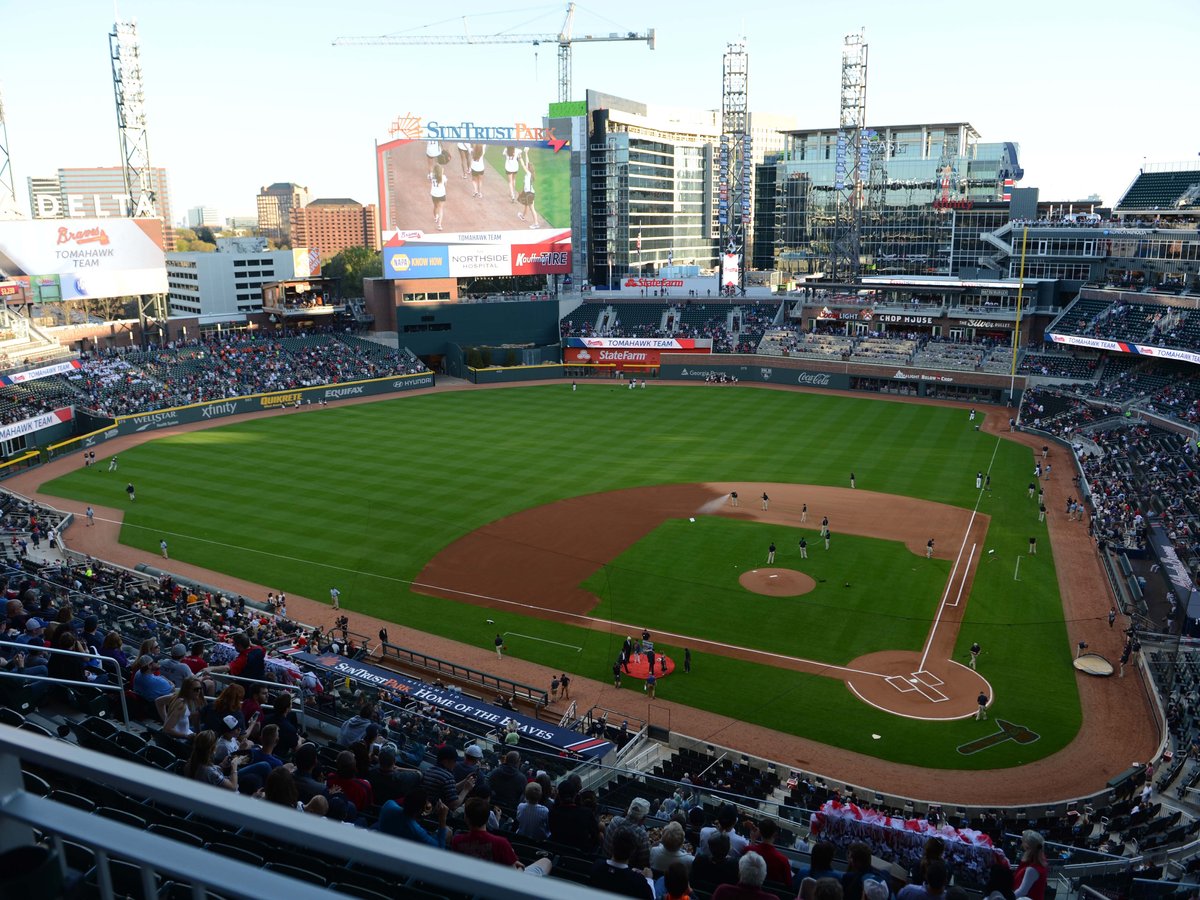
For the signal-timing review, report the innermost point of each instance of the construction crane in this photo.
(565, 39)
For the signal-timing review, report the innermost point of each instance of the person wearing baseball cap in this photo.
(472, 756)
(35, 630)
(174, 669)
(439, 779)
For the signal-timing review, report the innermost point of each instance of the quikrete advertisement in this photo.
(473, 199)
(487, 716)
(80, 258)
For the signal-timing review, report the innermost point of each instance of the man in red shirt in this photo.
(482, 844)
(779, 868)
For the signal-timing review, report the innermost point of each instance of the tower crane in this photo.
(565, 39)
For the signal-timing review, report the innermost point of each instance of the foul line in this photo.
(950, 583)
(530, 637)
(530, 606)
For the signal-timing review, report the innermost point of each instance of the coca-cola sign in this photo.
(813, 379)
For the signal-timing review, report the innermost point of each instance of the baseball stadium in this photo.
(558, 541)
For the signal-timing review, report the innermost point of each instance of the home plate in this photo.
(914, 681)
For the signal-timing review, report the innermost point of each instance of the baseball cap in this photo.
(179, 651)
(447, 752)
(34, 624)
(474, 752)
(231, 722)
(91, 622)
(874, 889)
(145, 660)
(639, 806)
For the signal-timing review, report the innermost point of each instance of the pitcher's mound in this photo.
(776, 582)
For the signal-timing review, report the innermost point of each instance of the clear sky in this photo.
(241, 94)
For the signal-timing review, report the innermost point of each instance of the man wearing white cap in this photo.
(469, 764)
(633, 821)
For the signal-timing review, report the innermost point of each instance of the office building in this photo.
(275, 204)
(203, 217)
(99, 192)
(223, 286)
(648, 183)
(332, 224)
(929, 192)
(43, 187)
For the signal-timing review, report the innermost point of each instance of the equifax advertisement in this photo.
(84, 258)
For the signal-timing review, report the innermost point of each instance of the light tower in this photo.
(8, 191)
(125, 52)
(735, 167)
(852, 160)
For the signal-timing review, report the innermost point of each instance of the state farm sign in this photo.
(602, 356)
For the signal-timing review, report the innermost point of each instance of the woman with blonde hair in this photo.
(200, 765)
(437, 193)
(1030, 878)
(477, 169)
(527, 197)
(183, 710)
(228, 703)
(512, 165)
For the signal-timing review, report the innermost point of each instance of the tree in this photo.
(352, 265)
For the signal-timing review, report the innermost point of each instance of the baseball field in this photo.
(566, 517)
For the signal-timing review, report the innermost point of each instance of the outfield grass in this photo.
(361, 497)
(688, 572)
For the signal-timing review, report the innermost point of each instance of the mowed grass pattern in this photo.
(361, 497)
(688, 572)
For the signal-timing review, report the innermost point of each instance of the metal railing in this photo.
(22, 812)
(537, 696)
(119, 687)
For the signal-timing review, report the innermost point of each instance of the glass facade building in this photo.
(649, 184)
(925, 196)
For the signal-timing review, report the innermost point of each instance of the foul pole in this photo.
(1012, 381)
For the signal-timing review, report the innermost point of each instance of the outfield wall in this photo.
(219, 409)
(808, 371)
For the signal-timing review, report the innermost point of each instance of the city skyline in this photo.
(270, 99)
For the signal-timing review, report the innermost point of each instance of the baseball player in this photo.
(929, 549)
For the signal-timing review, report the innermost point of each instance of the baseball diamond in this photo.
(526, 539)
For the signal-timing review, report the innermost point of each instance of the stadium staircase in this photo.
(22, 343)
